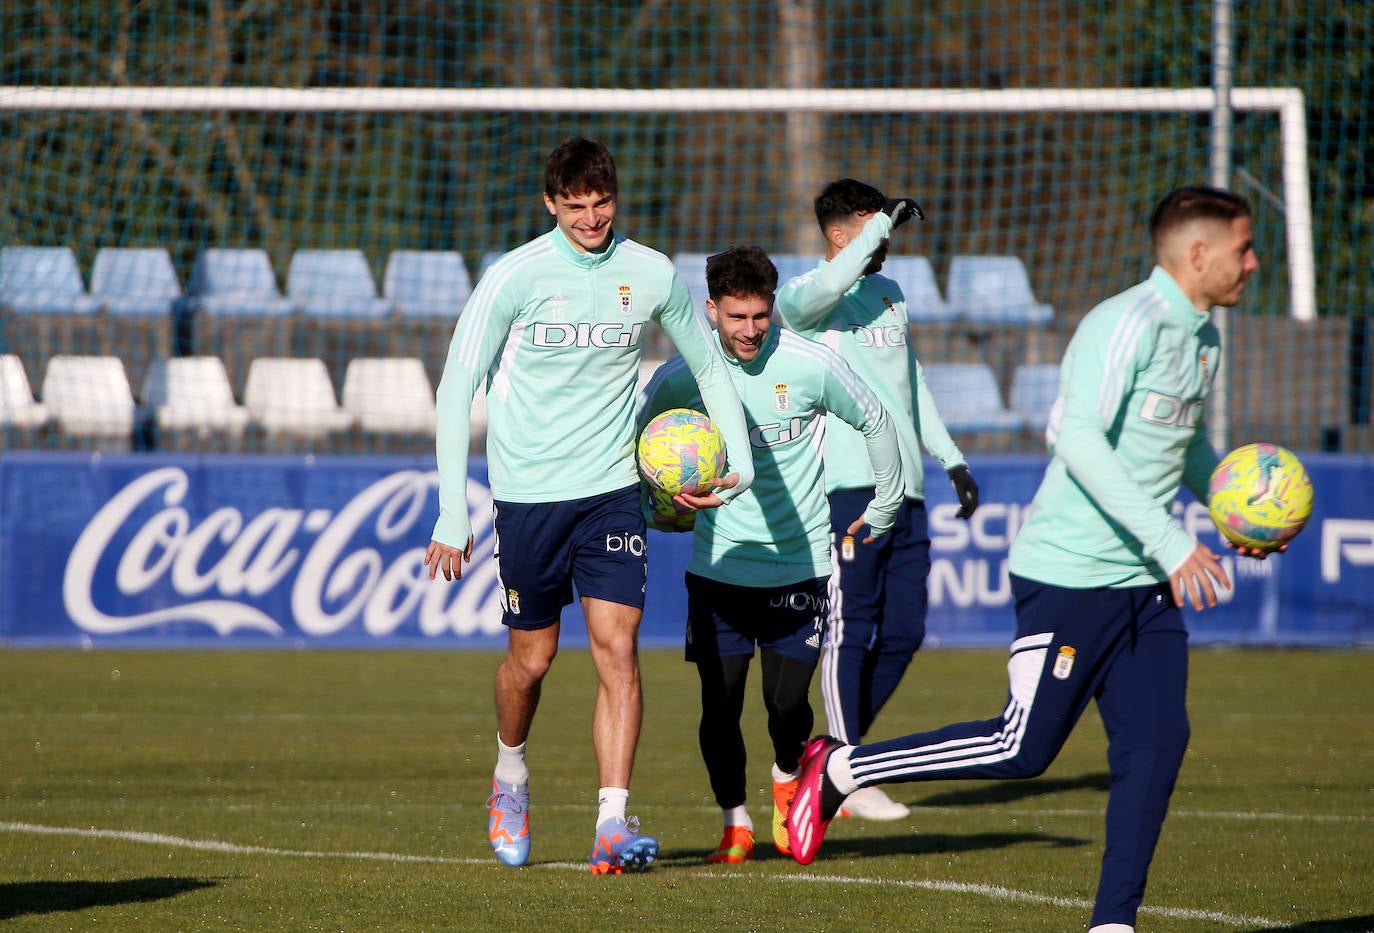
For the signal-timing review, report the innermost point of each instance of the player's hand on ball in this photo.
(441, 558)
(901, 210)
(965, 488)
(708, 499)
(1193, 579)
(1255, 552)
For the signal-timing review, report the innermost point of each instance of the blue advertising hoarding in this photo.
(163, 550)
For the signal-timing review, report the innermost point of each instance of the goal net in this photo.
(341, 215)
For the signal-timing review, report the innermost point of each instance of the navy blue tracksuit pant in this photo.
(1125, 648)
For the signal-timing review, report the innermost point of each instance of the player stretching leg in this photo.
(759, 569)
(878, 594)
(554, 328)
(1101, 569)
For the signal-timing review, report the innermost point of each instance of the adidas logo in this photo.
(814, 641)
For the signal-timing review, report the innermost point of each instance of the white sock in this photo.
(1112, 928)
(611, 804)
(739, 816)
(837, 769)
(510, 763)
(781, 776)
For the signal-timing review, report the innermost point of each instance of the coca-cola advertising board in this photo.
(155, 549)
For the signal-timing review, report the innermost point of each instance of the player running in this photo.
(878, 595)
(554, 329)
(758, 572)
(1101, 568)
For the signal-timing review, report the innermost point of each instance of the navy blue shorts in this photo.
(544, 549)
(725, 620)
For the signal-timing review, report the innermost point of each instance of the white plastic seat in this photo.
(289, 395)
(135, 281)
(968, 398)
(1034, 388)
(43, 280)
(17, 405)
(334, 283)
(994, 290)
(924, 303)
(192, 393)
(427, 283)
(89, 396)
(391, 395)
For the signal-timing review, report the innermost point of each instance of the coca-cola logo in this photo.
(213, 571)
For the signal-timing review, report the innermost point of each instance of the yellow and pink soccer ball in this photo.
(679, 451)
(1260, 496)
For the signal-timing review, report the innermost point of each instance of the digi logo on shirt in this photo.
(1159, 408)
(605, 335)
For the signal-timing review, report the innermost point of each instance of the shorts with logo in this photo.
(544, 549)
(727, 620)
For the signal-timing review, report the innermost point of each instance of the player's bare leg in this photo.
(518, 681)
(520, 678)
(613, 635)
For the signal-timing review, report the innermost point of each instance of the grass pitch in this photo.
(319, 790)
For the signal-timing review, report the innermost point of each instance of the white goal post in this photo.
(1288, 103)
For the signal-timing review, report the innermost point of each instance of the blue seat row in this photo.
(982, 290)
(323, 283)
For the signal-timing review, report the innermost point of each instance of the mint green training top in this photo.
(864, 318)
(556, 335)
(1126, 430)
(779, 531)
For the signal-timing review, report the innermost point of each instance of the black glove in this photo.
(901, 210)
(965, 488)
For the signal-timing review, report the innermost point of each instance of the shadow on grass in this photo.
(47, 897)
(898, 843)
(1011, 791)
(1362, 924)
(937, 843)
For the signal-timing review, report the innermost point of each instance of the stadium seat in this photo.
(135, 281)
(234, 310)
(43, 280)
(139, 291)
(18, 409)
(236, 283)
(191, 403)
(334, 283)
(292, 399)
(341, 315)
(429, 288)
(427, 283)
(994, 290)
(968, 398)
(1034, 388)
(90, 401)
(45, 310)
(390, 395)
(924, 303)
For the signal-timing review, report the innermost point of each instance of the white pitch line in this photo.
(994, 892)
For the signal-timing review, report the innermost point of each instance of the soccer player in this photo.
(554, 328)
(1101, 569)
(758, 572)
(878, 594)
